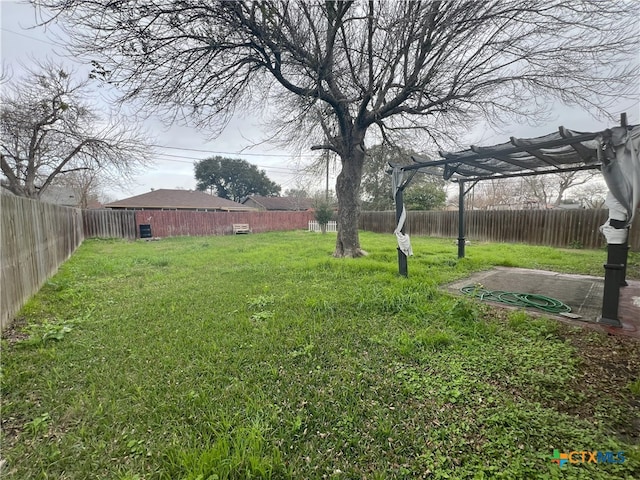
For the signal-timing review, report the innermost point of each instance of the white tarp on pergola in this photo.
(621, 170)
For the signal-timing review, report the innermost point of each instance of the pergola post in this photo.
(402, 258)
(614, 278)
(461, 239)
(615, 270)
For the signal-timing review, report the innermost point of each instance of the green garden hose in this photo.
(515, 299)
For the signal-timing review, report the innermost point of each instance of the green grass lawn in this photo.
(261, 356)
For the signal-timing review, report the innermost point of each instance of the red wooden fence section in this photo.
(173, 223)
(105, 223)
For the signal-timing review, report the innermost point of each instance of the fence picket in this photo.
(36, 239)
(314, 226)
(556, 228)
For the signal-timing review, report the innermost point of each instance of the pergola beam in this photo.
(530, 174)
(504, 158)
(534, 153)
(455, 158)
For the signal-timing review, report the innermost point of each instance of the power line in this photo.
(25, 36)
(189, 160)
(276, 170)
(235, 153)
(170, 147)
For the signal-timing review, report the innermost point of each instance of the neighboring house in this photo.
(94, 203)
(64, 196)
(279, 203)
(165, 199)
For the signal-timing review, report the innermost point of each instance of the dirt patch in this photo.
(15, 332)
(608, 364)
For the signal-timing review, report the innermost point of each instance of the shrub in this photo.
(323, 214)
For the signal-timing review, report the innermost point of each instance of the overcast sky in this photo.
(173, 167)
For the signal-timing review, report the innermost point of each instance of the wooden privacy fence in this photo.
(173, 223)
(556, 228)
(106, 223)
(36, 239)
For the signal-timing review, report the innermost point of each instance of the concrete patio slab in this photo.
(583, 293)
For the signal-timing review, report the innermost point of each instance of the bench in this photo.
(241, 228)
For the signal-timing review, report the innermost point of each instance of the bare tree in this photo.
(551, 189)
(298, 192)
(535, 192)
(6, 72)
(332, 70)
(591, 195)
(501, 195)
(88, 185)
(49, 130)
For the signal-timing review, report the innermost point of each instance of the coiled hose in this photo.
(515, 299)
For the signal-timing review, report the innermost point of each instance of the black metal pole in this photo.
(402, 258)
(621, 256)
(461, 239)
(613, 279)
(615, 270)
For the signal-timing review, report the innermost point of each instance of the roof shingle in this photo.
(177, 199)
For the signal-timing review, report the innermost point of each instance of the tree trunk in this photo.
(348, 193)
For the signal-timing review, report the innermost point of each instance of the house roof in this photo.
(177, 199)
(58, 195)
(281, 203)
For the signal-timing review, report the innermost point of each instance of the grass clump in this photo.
(233, 454)
(263, 357)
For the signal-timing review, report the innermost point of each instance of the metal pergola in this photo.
(558, 152)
